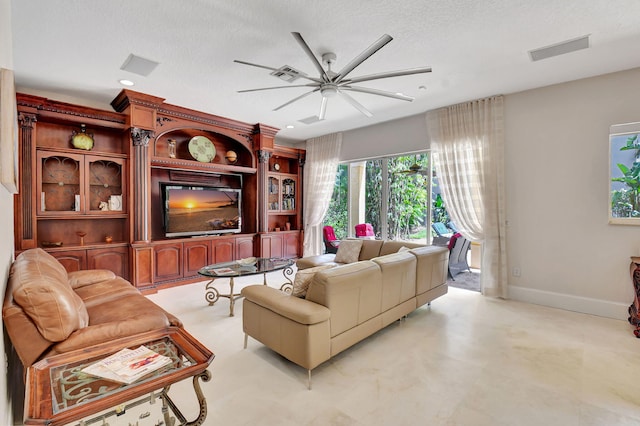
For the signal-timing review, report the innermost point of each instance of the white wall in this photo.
(557, 190)
(400, 136)
(557, 195)
(6, 211)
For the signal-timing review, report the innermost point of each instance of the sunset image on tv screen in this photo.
(200, 210)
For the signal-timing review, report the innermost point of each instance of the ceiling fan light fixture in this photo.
(329, 90)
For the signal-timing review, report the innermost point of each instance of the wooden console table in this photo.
(59, 393)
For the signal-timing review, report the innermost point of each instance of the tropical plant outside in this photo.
(625, 201)
(407, 204)
(338, 214)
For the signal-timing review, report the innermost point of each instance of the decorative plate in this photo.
(202, 149)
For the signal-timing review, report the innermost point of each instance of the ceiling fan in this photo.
(331, 83)
(414, 169)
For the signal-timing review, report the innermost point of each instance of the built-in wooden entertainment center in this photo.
(102, 206)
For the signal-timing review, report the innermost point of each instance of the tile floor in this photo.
(466, 360)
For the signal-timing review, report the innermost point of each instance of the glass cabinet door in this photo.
(59, 186)
(105, 178)
(274, 194)
(288, 194)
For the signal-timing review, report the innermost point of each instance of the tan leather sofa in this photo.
(344, 304)
(48, 311)
(369, 250)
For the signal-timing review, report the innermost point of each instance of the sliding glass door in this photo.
(392, 194)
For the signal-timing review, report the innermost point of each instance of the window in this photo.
(392, 194)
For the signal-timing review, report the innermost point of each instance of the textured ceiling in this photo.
(75, 48)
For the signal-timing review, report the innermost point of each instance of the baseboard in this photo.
(585, 305)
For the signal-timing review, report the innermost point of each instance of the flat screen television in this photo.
(200, 210)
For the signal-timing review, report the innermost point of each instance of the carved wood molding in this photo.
(43, 104)
(141, 137)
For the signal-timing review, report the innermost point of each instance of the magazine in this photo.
(224, 271)
(128, 365)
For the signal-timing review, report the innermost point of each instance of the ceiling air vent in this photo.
(310, 120)
(139, 65)
(560, 48)
(287, 73)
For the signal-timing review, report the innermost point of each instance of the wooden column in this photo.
(141, 180)
(263, 167)
(25, 206)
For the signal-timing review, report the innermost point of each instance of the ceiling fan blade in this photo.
(311, 56)
(377, 76)
(296, 99)
(255, 65)
(377, 45)
(378, 92)
(357, 105)
(323, 108)
(276, 87)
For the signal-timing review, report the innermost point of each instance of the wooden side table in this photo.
(57, 392)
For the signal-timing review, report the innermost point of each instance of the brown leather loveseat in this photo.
(48, 311)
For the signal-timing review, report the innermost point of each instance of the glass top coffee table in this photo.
(235, 269)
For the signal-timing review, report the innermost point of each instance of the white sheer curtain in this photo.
(467, 143)
(320, 170)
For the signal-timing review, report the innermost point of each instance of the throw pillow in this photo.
(349, 251)
(303, 279)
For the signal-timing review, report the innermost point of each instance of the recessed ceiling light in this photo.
(290, 126)
(126, 82)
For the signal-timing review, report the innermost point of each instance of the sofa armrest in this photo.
(299, 310)
(79, 279)
(312, 261)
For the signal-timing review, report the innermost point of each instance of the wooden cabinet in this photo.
(178, 261)
(244, 247)
(168, 262)
(74, 184)
(282, 193)
(283, 204)
(73, 202)
(197, 254)
(101, 204)
(280, 244)
(72, 260)
(114, 258)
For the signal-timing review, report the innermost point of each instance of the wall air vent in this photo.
(560, 48)
(287, 73)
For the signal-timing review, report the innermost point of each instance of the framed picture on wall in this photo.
(624, 174)
(8, 132)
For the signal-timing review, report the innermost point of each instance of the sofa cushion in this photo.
(394, 246)
(41, 289)
(303, 279)
(349, 251)
(370, 249)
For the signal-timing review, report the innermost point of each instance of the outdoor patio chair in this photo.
(365, 230)
(441, 229)
(458, 249)
(330, 242)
